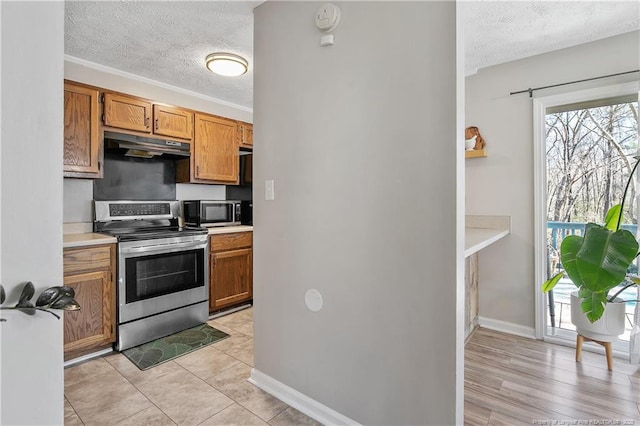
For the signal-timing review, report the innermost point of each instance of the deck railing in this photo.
(559, 230)
(556, 231)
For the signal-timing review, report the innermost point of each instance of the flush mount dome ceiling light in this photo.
(226, 64)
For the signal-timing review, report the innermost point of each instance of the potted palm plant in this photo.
(597, 262)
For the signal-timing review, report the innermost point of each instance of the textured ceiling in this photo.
(167, 41)
(502, 31)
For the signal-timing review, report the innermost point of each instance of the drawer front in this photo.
(231, 241)
(86, 259)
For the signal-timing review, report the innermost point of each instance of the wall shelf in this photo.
(476, 153)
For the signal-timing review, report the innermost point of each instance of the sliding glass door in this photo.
(588, 143)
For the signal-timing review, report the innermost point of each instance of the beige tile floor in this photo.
(206, 387)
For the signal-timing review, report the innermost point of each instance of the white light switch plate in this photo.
(269, 192)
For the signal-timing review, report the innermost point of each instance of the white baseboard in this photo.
(299, 401)
(507, 327)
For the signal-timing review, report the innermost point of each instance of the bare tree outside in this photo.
(589, 157)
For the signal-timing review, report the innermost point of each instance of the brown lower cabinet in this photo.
(90, 272)
(231, 266)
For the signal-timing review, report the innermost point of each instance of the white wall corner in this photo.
(461, 220)
(299, 401)
(32, 346)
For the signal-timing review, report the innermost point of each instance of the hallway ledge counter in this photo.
(482, 231)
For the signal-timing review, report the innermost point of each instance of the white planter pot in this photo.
(606, 329)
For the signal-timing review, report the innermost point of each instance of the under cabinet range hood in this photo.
(140, 146)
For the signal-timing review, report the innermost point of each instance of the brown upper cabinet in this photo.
(215, 141)
(126, 112)
(215, 157)
(245, 134)
(83, 154)
(140, 115)
(175, 122)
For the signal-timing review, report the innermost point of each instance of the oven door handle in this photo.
(164, 247)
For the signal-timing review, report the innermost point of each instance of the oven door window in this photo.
(160, 274)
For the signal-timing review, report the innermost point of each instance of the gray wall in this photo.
(78, 194)
(32, 39)
(375, 113)
(186, 191)
(502, 183)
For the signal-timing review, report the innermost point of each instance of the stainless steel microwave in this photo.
(211, 212)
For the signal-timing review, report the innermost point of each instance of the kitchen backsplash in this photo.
(132, 178)
(78, 195)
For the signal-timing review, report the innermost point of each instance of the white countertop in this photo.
(482, 231)
(83, 239)
(86, 239)
(229, 229)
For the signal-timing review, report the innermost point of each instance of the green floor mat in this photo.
(167, 348)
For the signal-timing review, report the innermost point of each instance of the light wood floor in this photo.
(512, 380)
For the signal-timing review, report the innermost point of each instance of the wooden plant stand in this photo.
(607, 349)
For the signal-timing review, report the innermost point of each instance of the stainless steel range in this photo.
(162, 269)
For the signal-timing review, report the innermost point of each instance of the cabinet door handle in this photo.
(146, 122)
(197, 171)
(156, 124)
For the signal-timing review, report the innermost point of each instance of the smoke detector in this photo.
(327, 17)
